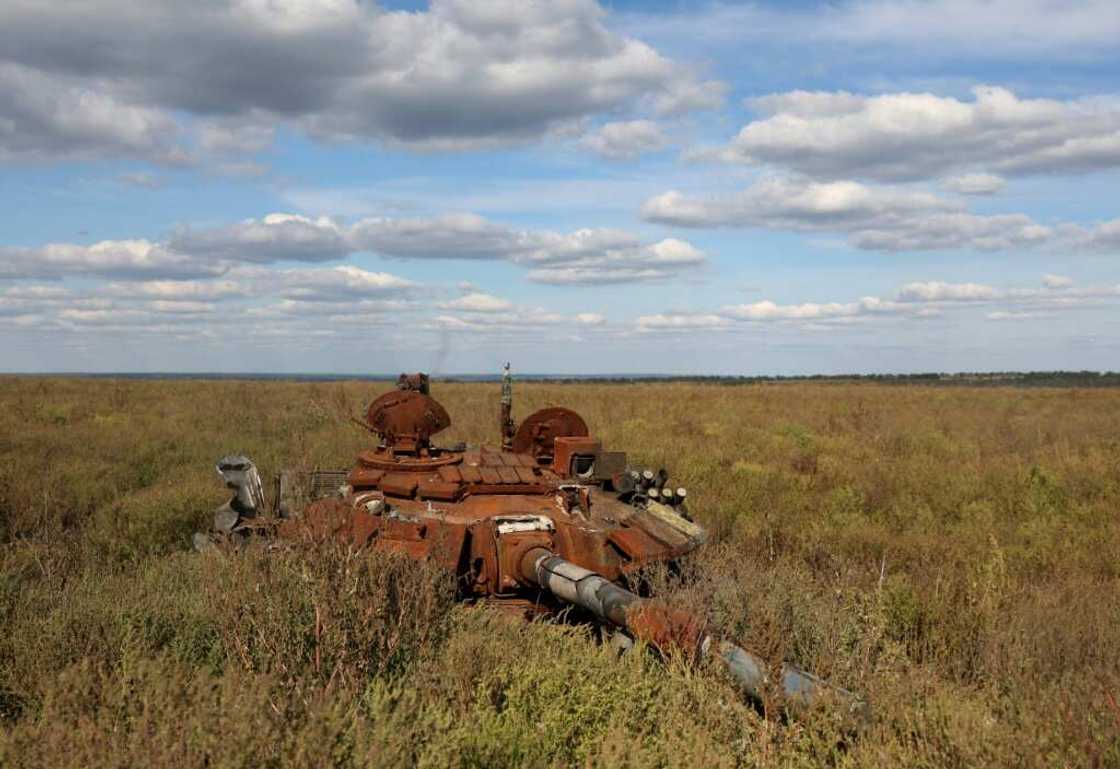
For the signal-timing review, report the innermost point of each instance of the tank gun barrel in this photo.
(671, 630)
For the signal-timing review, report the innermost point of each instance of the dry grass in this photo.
(953, 553)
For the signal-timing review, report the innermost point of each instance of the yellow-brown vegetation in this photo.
(953, 553)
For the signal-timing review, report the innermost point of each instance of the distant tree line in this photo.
(967, 378)
(933, 378)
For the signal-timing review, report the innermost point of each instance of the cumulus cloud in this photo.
(1006, 315)
(340, 284)
(77, 81)
(274, 238)
(35, 292)
(937, 291)
(681, 321)
(179, 307)
(910, 136)
(767, 310)
(452, 236)
(793, 204)
(478, 302)
(519, 322)
(626, 140)
(108, 258)
(159, 289)
(581, 256)
(577, 257)
(207, 290)
(684, 95)
(1057, 291)
(22, 303)
(1056, 281)
(338, 302)
(932, 28)
(309, 314)
(48, 117)
(235, 136)
(624, 261)
(1011, 27)
(913, 301)
(876, 218)
(1104, 237)
(975, 184)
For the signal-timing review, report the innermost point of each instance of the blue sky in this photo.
(333, 186)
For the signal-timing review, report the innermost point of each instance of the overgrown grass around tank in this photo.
(953, 553)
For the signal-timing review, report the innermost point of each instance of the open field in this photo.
(953, 553)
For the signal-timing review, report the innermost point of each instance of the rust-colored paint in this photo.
(537, 433)
(672, 631)
(478, 511)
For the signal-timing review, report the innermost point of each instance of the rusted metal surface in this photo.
(406, 419)
(544, 521)
(536, 434)
(418, 382)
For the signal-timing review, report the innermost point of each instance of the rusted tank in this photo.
(547, 520)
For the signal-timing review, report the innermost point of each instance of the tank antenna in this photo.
(507, 409)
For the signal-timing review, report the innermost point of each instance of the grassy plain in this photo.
(953, 553)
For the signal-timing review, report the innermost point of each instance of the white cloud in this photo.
(792, 204)
(769, 311)
(276, 237)
(28, 301)
(909, 136)
(478, 302)
(1030, 29)
(235, 136)
(47, 117)
(937, 291)
(115, 77)
(686, 95)
(1006, 315)
(876, 218)
(308, 313)
(154, 317)
(179, 289)
(1104, 237)
(580, 256)
(35, 292)
(1056, 281)
(626, 140)
(917, 300)
(179, 307)
(975, 184)
(452, 236)
(113, 317)
(342, 283)
(680, 321)
(524, 322)
(107, 258)
(984, 27)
